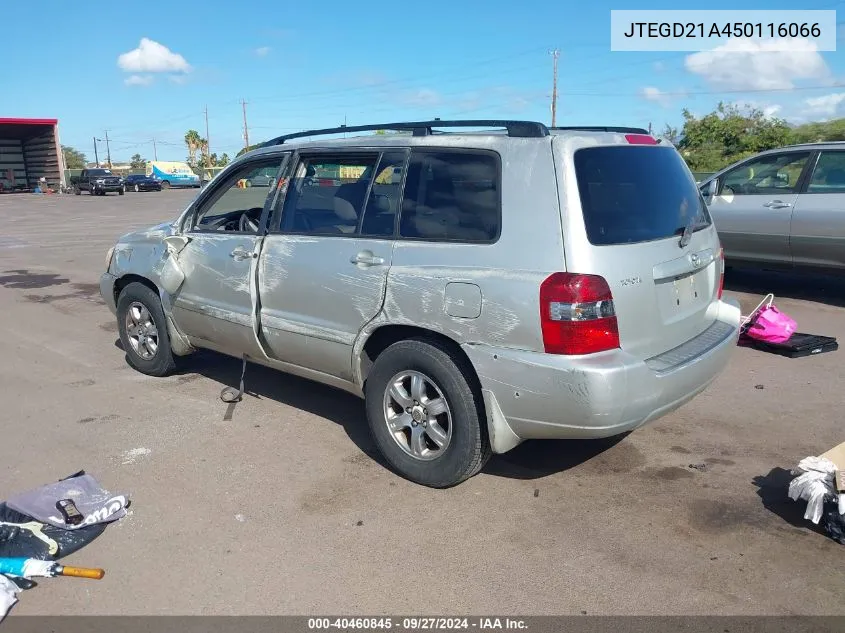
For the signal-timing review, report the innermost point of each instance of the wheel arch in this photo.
(386, 335)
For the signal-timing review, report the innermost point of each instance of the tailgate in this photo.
(638, 220)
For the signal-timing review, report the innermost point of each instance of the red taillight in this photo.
(721, 272)
(640, 139)
(577, 314)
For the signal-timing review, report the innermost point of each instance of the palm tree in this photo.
(193, 141)
(203, 147)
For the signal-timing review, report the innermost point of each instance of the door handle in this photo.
(239, 254)
(367, 259)
(777, 204)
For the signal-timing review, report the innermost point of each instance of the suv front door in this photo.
(214, 304)
(753, 207)
(323, 272)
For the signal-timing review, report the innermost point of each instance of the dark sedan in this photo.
(142, 183)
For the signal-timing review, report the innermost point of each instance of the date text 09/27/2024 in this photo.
(658, 30)
(416, 624)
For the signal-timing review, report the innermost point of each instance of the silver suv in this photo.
(477, 288)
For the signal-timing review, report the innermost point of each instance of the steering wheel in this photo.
(246, 224)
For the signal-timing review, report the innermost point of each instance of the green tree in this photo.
(193, 141)
(74, 159)
(223, 160)
(136, 162)
(247, 149)
(820, 131)
(728, 134)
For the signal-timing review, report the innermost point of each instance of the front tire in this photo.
(137, 189)
(165, 184)
(424, 415)
(143, 331)
(121, 191)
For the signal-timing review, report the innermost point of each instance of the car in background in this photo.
(140, 182)
(97, 182)
(783, 208)
(263, 178)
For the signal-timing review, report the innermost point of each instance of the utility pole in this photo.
(108, 151)
(207, 141)
(155, 151)
(555, 55)
(649, 127)
(96, 158)
(246, 129)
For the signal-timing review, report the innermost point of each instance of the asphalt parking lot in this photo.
(285, 507)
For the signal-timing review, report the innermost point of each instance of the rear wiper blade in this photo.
(686, 234)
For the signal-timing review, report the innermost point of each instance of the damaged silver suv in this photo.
(478, 287)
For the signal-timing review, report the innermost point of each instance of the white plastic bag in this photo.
(815, 484)
(8, 595)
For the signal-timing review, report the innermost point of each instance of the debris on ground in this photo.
(43, 525)
(701, 467)
(821, 482)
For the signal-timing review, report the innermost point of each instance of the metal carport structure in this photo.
(30, 150)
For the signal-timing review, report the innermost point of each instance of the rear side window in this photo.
(452, 196)
(636, 194)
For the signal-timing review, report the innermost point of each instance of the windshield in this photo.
(99, 172)
(637, 194)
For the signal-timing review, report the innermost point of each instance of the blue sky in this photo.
(306, 65)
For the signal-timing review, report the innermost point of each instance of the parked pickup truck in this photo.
(98, 182)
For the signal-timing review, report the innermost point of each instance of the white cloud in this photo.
(422, 97)
(650, 93)
(139, 80)
(152, 57)
(756, 65)
(262, 51)
(826, 106)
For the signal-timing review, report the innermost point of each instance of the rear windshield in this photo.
(637, 194)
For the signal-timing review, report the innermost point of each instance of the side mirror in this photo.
(710, 190)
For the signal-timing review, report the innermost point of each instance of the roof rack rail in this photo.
(522, 129)
(595, 128)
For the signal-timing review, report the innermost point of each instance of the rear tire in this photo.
(122, 191)
(459, 426)
(77, 191)
(138, 305)
(165, 184)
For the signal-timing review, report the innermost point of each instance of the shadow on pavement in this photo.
(825, 289)
(529, 460)
(262, 382)
(773, 491)
(534, 459)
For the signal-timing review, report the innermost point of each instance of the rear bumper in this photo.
(539, 396)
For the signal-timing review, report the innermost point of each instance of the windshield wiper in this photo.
(686, 232)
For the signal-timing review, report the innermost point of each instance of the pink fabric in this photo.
(770, 325)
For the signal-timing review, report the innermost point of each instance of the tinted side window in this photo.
(767, 175)
(385, 195)
(327, 194)
(829, 174)
(452, 196)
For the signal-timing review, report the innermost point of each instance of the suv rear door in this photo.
(324, 266)
(817, 236)
(626, 208)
